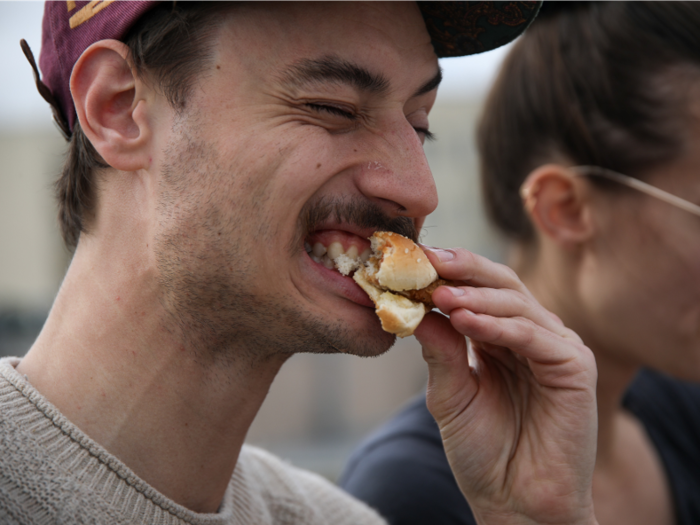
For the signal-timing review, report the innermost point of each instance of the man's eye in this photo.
(333, 110)
(425, 134)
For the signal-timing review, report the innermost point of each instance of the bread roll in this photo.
(400, 280)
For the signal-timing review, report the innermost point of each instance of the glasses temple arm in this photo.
(637, 184)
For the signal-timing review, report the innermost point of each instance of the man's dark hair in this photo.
(590, 83)
(170, 46)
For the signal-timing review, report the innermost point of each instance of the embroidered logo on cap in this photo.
(86, 12)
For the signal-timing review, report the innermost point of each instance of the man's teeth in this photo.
(327, 255)
(319, 249)
(334, 250)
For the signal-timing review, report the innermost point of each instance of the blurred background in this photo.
(319, 406)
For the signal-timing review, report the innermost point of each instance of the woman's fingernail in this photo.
(455, 291)
(443, 255)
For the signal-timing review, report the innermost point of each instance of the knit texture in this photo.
(52, 473)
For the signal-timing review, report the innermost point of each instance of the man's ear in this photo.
(558, 204)
(109, 100)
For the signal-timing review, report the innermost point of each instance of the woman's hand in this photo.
(519, 422)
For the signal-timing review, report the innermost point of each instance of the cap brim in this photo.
(467, 28)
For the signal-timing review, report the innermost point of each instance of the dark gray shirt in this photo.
(401, 470)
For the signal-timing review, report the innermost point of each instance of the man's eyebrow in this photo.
(334, 69)
(430, 84)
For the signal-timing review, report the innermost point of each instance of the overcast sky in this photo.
(22, 107)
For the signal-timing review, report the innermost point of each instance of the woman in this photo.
(591, 166)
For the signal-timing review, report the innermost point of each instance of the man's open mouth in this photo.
(336, 250)
(393, 271)
(339, 231)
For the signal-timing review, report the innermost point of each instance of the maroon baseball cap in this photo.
(69, 28)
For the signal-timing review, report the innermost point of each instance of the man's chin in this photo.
(376, 347)
(340, 338)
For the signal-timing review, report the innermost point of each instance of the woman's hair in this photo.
(169, 46)
(590, 83)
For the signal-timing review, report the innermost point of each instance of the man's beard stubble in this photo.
(208, 279)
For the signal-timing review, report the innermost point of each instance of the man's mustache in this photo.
(358, 212)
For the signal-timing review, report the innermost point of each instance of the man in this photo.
(193, 192)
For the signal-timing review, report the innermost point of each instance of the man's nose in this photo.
(397, 175)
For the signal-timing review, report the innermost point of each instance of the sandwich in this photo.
(399, 279)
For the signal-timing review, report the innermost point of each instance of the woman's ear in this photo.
(558, 204)
(111, 106)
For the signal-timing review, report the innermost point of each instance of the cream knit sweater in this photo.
(52, 473)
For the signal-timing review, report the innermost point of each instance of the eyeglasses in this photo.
(639, 186)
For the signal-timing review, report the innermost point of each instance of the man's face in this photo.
(305, 131)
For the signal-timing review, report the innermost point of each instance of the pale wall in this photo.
(32, 259)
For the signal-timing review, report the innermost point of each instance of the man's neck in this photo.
(108, 361)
